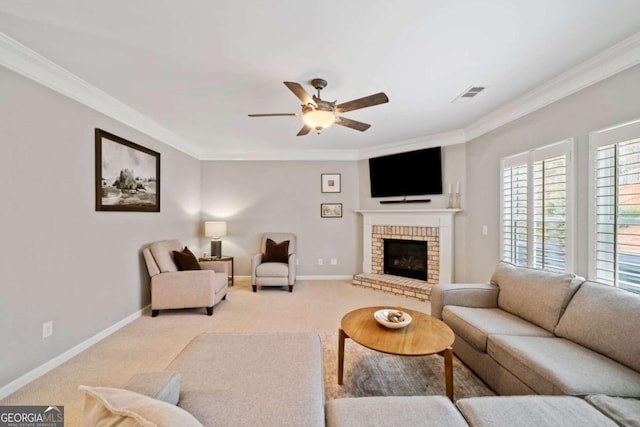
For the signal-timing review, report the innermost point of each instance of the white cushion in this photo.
(272, 269)
(105, 406)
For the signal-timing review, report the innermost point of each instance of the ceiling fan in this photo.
(319, 114)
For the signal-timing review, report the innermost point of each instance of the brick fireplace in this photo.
(433, 226)
(430, 235)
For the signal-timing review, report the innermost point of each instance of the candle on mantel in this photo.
(458, 187)
(449, 188)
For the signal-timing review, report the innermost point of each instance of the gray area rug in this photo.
(370, 373)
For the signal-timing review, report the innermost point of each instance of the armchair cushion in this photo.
(276, 252)
(186, 260)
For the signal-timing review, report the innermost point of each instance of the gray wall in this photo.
(59, 259)
(259, 196)
(609, 102)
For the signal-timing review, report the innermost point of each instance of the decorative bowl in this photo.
(382, 317)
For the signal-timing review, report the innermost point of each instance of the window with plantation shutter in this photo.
(550, 213)
(514, 214)
(536, 208)
(615, 210)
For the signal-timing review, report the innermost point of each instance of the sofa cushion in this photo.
(393, 411)
(272, 269)
(531, 411)
(253, 380)
(105, 406)
(163, 254)
(474, 325)
(559, 366)
(535, 295)
(161, 385)
(604, 319)
(625, 412)
(186, 260)
(276, 252)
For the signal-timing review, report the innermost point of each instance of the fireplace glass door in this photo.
(406, 258)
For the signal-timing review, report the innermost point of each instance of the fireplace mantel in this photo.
(439, 218)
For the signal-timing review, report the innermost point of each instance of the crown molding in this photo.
(611, 61)
(299, 154)
(28, 63)
(439, 139)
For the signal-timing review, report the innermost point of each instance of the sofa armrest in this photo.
(221, 267)
(161, 385)
(478, 295)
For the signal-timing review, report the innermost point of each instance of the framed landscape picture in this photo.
(127, 175)
(330, 182)
(331, 210)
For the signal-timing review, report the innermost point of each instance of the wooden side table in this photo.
(223, 258)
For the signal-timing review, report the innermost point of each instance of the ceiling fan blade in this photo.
(300, 93)
(274, 114)
(305, 130)
(353, 124)
(367, 101)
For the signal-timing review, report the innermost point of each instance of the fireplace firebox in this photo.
(406, 258)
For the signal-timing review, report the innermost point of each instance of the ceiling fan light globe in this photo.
(318, 119)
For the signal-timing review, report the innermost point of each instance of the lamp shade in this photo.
(215, 229)
(318, 119)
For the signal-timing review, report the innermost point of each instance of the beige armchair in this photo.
(275, 265)
(171, 288)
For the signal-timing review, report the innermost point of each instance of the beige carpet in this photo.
(149, 344)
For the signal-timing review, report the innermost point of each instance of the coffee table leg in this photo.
(341, 338)
(448, 372)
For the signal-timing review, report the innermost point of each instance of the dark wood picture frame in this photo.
(127, 175)
(330, 182)
(331, 210)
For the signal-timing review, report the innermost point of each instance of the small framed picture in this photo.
(331, 210)
(330, 182)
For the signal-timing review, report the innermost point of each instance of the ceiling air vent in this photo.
(468, 94)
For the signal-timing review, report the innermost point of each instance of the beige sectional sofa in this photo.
(572, 347)
(277, 380)
(530, 331)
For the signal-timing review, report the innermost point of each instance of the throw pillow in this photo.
(106, 406)
(276, 252)
(186, 260)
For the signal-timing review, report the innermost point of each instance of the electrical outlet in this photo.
(485, 230)
(320, 261)
(47, 329)
(334, 261)
(297, 261)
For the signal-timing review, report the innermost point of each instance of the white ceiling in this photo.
(198, 67)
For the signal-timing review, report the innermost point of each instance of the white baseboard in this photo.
(336, 277)
(36, 373)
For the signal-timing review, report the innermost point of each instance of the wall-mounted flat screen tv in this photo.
(411, 173)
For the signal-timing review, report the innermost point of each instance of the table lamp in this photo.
(215, 230)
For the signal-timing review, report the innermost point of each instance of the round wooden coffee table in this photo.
(424, 335)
